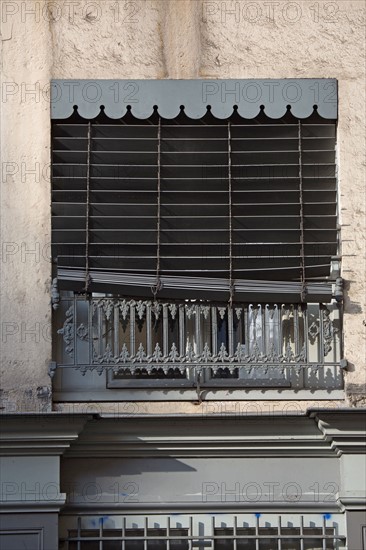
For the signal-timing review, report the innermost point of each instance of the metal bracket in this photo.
(198, 380)
(55, 294)
(338, 289)
(343, 364)
(52, 366)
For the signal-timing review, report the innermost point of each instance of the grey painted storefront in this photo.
(58, 467)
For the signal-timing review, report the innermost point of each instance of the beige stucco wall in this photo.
(160, 39)
(25, 211)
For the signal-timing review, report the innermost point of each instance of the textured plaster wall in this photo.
(25, 211)
(166, 39)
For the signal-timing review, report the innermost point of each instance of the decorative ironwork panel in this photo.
(296, 344)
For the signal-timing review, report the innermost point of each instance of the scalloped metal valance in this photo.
(169, 96)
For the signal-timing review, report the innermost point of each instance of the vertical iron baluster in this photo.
(235, 545)
(239, 330)
(75, 306)
(306, 328)
(168, 533)
(100, 533)
(74, 328)
(263, 327)
(280, 329)
(91, 331)
(254, 318)
(165, 330)
(257, 533)
(301, 532)
(279, 528)
(100, 331)
(214, 329)
(324, 533)
(296, 331)
(321, 357)
(79, 534)
(230, 322)
(146, 526)
(247, 329)
(198, 329)
(190, 533)
(268, 328)
(275, 329)
(336, 336)
(116, 330)
(182, 347)
(340, 338)
(304, 370)
(132, 329)
(213, 533)
(123, 546)
(148, 329)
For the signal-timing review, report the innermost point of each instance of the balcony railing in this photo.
(289, 345)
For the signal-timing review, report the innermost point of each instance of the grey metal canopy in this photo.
(169, 96)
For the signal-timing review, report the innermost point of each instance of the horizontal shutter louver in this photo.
(195, 206)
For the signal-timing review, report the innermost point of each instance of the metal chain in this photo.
(87, 213)
(302, 237)
(155, 289)
(230, 218)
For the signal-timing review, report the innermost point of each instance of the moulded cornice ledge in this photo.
(351, 503)
(31, 434)
(317, 433)
(271, 436)
(34, 506)
(344, 429)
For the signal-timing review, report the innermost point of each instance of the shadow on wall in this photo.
(352, 308)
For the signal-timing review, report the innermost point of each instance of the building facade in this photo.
(184, 327)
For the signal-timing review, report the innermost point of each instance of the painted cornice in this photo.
(345, 432)
(210, 437)
(33, 506)
(318, 433)
(39, 434)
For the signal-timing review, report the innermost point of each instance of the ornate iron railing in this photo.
(144, 339)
